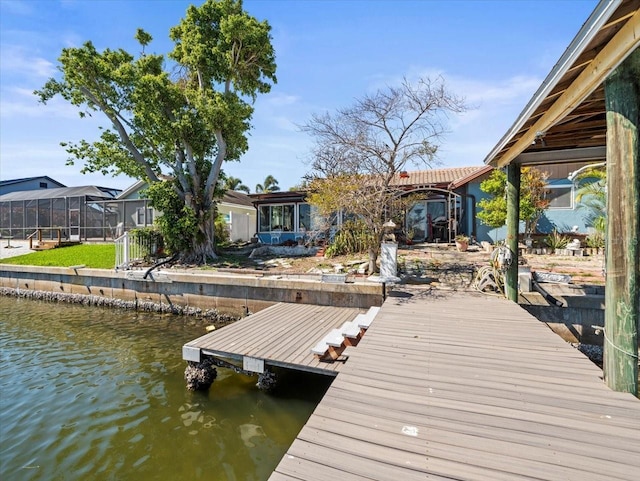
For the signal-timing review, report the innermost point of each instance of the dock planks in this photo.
(460, 386)
(282, 335)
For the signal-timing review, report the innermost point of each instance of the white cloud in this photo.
(21, 103)
(72, 40)
(22, 160)
(281, 100)
(501, 91)
(280, 113)
(18, 61)
(493, 106)
(284, 123)
(17, 7)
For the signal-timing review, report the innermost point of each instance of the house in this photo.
(446, 206)
(444, 209)
(129, 210)
(132, 210)
(284, 216)
(28, 183)
(239, 214)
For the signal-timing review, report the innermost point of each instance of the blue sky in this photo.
(494, 53)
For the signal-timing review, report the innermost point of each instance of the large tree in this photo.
(183, 122)
(359, 151)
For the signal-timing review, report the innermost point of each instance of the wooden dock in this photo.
(281, 335)
(453, 386)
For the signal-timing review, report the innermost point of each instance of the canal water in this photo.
(90, 393)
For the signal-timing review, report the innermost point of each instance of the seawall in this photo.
(579, 320)
(234, 294)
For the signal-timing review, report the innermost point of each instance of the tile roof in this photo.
(440, 177)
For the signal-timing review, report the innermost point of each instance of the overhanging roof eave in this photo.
(601, 14)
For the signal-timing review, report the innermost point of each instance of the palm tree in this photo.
(233, 183)
(593, 196)
(270, 184)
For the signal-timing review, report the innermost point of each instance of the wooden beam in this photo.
(513, 224)
(622, 293)
(562, 156)
(613, 53)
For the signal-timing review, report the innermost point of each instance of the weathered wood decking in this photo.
(465, 387)
(281, 335)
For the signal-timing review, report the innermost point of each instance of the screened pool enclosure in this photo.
(77, 213)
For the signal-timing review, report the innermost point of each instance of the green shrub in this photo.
(353, 238)
(177, 223)
(221, 230)
(151, 241)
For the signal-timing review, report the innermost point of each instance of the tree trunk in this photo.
(203, 244)
(374, 251)
(373, 259)
(200, 253)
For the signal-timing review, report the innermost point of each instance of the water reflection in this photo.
(88, 393)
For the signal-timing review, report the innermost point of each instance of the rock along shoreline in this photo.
(135, 305)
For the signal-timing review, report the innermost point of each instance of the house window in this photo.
(276, 217)
(560, 197)
(141, 213)
(44, 185)
(304, 215)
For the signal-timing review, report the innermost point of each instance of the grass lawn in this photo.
(98, 256)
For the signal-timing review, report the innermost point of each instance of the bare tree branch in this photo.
(364, 146)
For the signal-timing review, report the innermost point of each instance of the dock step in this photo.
(350, 329)
(334, 342)
(365, 321)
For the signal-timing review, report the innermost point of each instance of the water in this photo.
(87, 393)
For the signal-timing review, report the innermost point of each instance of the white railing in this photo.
(130, 249)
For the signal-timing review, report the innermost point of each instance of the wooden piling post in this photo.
(513, 220)
(622, 298)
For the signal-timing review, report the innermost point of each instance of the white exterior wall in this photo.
(242, 226)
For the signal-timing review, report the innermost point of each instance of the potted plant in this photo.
(462, 242)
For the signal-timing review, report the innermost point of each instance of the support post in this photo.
(513, 220)
(622, 297)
